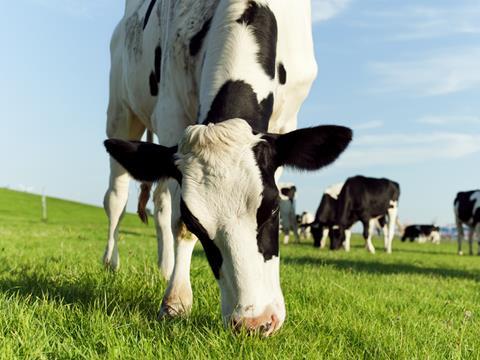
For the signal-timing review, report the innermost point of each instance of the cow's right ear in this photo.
(144, 161)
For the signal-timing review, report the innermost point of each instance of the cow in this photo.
(288, 217)
(422, 233)
(220, 83)
(326, 215)
(467, 211)
(304, 222)
(366, 199)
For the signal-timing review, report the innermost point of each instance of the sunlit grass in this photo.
(56, 300)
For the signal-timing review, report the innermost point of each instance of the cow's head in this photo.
(230, 202)
(337, 237)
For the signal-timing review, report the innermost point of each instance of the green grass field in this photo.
(57, 301)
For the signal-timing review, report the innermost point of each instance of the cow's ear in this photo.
(311, 148)
(144, 161)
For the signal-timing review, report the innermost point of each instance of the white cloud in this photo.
(450, 71)
(449, 120)
(74, 8)
(368, 125)
(323, 10)
(404, 149)
(424, 22)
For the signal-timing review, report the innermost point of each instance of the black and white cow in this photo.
(304, 222)
(422, 233)
(325, 217)
(217, 81)
(366, 199)
(288, 217)
(467, 211)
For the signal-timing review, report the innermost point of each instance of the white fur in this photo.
(306, 218)
(222, 185)
(334, 190)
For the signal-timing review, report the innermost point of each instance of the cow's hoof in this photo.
(173, 310)
(111, 264)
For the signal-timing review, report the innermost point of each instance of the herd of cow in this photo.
(220, 83)
(373, 202)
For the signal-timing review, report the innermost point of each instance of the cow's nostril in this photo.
(265, 328)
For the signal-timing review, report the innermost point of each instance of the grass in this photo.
(56, 300)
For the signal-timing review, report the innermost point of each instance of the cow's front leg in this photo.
(348, 236)
(323, 241)
(460, 234)
(178, 298)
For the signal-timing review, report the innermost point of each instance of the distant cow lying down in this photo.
(422, 233)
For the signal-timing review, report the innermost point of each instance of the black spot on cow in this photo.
(236, 99)
(154, 79)
(149, 12)
(264, 25)
(212, 252)
(282, 74)
(268, 212)
(197, 40)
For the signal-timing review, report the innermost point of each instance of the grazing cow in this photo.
(220, 83)
(288, 217)
(422, 233)
(326, 215)
(467, 211)
(304, 223)
(366, 199)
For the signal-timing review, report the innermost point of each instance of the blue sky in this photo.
(404, 74)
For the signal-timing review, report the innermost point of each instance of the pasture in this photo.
(56, 300)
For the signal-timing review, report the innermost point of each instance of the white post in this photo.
(44, 206)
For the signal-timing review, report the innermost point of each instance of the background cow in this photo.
(217, 81)
(326, 215)
(467, 211)
(288, 217)
(422, 233)
(304, 222)
(366, 199)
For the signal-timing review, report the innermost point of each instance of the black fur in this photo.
(197, 40)
(268, 212)
(282, 74)
(465, 207)
(324, 218)
(236, 99)
(149, 12)
(311, 148)
(361, 199)
(262, 20)
(212, 252)
(154, 79)
(144, 161)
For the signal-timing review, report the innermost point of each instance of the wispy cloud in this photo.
(368, 125)
(323, 10)
(74, 8)
(425, 22)
(449, 120)
(449, 71)
(404, 149)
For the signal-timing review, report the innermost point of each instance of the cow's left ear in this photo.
(311, 148)
(144, 161)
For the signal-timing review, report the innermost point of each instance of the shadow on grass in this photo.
(92, 294)
(376, 267)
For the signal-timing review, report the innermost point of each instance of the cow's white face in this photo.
(230, 202)
(222, 194)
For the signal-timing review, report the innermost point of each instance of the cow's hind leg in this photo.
(392, 221)
(471, 234)
(460, 234)
(368, 229)
(162, 200)
(123, 125)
